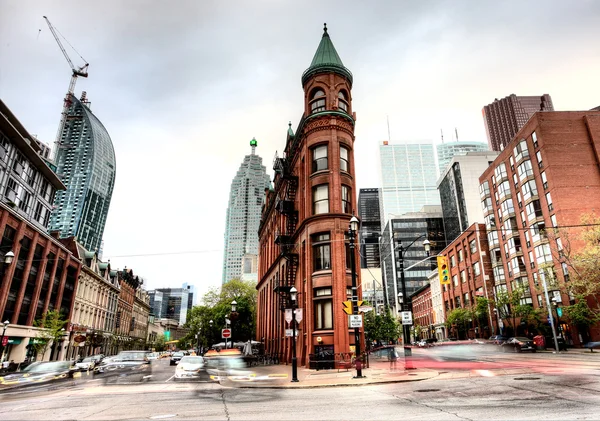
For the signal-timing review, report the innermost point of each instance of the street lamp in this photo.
(352, 230)
(405, 303)
(8, 257)
(558, 326)
(293, 295)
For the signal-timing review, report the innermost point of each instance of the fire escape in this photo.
(285, 207)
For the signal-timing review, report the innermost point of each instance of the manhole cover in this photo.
(526, 378)
(427, 390)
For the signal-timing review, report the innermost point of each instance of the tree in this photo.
(52, 327)
(381, 327)
(461, 319)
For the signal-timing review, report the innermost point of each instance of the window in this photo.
(319, 158)
(321, 252)
(531, 260)
(342, 101)
(549, 201)
(521, 150)
(463, 276)
(476, 269)
(320, 199)
(473, 246)
(346, 199)
(452, 261)
(544, 180)
(525, 170)
(460, 255)
(553, 220)
(534, 138)
(323, 309)
(26, 197)
(538, 155)
(455, 280)
(344, 166)
(317, 101)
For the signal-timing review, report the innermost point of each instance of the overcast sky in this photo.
(183, 86)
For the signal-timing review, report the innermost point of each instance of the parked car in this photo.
(134, 365)
(191, 367)
(498, 339)
(39, 372)
(518, 344)
(176, 357)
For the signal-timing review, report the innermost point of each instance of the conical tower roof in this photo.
(326, 59)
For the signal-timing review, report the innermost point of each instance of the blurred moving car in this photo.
(191, 367)
(39, 372)
(88, 363)
(153, 356)
(228, 368)
(518, 344)
(134, 365)
(176, 357)
(498, 339)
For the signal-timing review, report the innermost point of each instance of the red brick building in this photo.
(547, 177)
(302, 235)
(423, 318)
(125, 321)
(470, 277)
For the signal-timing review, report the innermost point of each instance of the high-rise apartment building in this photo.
(504, 117)
(370, 227)
(303, 231)
(243, 215)
(447, 151)
(545, 179)
(85, 162)
(408, 178)
(409, 231)
(458, 187)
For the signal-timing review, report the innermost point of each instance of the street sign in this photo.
(298, 315)
(364, 309)
(289, 333)
(559, 311)
(347, 307)
(5, 341)
(355, 320)
(407, 318)
(225, 333)
(288, 315)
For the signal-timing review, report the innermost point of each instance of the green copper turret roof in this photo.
(290, 131)
(326, 59)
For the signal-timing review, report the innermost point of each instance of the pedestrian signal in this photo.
(443, 273)
(347, 307)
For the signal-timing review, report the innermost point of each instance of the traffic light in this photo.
(443, 273)
(347, 307)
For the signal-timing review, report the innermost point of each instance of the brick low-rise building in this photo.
(546, 178)
(305, 219)
(423, 317)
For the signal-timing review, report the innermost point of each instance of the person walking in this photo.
(393, 359)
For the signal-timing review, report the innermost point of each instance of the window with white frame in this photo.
(320, 199)
(319, 162)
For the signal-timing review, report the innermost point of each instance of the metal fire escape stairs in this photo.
(286, 207)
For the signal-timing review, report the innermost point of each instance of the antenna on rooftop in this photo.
(456, 131)
(442, 133)
(388, 124)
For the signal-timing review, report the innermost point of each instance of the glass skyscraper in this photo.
(243, 215)
(408, 178)
(85, 162)
(447, 151)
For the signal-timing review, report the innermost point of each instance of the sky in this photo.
(183, 86)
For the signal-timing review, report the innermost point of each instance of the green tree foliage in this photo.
(381, 327)
(52, 326)
(580, 313)
(216, 306)
(461, 319)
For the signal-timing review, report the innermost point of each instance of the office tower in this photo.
(370, 227)
(243, 214)
(459, 191)
(447, 151)
(171, 303)
(548, 177)
(409, 231)
(85, 161)
(408, 175)
(504, 117)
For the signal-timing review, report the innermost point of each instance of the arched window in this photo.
(342, 101)
(317, 101)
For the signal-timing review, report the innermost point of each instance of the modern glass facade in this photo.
(370, 227)
(408, 175)
(86, 163)
(171, 303)
(243, 215)
(447, 151)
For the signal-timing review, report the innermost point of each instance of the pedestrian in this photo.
(393, 359)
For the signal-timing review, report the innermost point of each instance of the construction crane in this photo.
(76, 72)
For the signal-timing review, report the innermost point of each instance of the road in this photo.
(532, 386)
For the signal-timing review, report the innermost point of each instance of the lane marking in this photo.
(170, 378)
(485, 373)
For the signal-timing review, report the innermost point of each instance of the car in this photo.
(228, 365)
(153, 356)
(191, 367)
(133, 365)
(88, 363)
(518, 344)
(497, 339)
(176, 357)
(39, 372)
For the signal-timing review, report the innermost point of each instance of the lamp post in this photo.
(352, 230)
(5, 326)
(293, 295)
(210, 323)
(405, 305)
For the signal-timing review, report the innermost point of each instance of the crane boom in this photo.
(76, 72)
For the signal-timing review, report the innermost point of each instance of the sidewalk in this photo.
(379, 372)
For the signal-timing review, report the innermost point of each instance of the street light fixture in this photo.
(352, 231)
(293, 296)
(5, 324)
(8, 257)
(233, 306)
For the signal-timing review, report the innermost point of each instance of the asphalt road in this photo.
(532, 386)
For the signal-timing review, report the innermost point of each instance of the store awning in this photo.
(14, 341)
